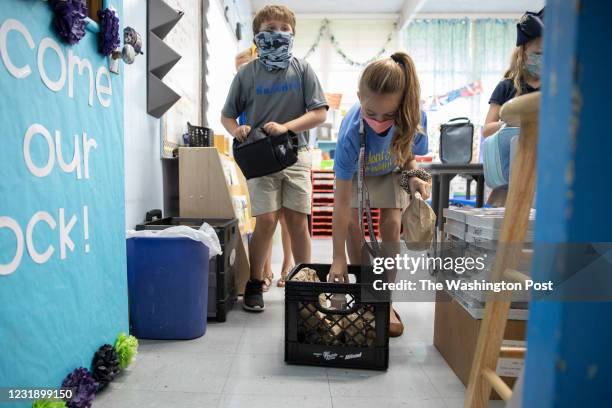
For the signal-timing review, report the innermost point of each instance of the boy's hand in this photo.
(275, 129)
(242, 132)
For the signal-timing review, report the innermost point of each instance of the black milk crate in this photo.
(357, 336)
(199, 136)
(222, 285)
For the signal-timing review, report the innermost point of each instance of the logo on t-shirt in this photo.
(277, 87)
(380, 162)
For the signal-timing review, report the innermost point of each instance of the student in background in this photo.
(389, 114)
(522, 77)
(243, 58)
(277, 92)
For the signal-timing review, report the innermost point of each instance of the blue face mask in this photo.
(274, 49)
(533, 65)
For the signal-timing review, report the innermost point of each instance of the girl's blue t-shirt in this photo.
(379, 160)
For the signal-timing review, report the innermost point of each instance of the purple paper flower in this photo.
(69, 19)
(108, 40)
(83, 387)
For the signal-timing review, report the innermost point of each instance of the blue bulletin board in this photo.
(63, 284)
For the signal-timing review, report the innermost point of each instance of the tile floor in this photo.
(239, 363)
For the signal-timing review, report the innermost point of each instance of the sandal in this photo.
(396, 329)
(283, 278)
(267, 282)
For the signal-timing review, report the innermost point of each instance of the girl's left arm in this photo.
(410, 165)
(415, 183)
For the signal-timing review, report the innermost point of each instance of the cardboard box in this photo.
(204, 192)
(220, 143)
(456, 335)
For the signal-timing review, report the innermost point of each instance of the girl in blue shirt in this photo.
(389, 96)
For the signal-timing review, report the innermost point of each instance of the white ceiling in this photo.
(335, 6)
(395, 6)
(480, 6)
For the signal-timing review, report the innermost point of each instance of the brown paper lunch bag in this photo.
(419, 224)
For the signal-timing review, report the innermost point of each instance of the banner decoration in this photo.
(325, 31)
(432, 103)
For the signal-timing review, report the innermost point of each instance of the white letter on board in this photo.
(76, 158)
(87, 145)
(104, 89)
(7, 222)
(34, 254)
(36, 129)
(74, 60)
(10, 24)
(64, 234)
(45, 43)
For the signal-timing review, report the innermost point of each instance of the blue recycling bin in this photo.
(168, 287)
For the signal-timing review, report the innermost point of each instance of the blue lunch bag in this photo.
(497, 156)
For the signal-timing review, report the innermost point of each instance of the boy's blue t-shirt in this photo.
(379, 160)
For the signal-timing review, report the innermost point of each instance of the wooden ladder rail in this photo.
(521, 111)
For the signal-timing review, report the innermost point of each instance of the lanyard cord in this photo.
(364, 197)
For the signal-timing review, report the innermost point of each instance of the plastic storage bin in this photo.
(223, 276)
(167, 284)
(315, 334)
(199, 136)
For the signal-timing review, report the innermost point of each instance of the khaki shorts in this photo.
(290, 188)
(385, 192)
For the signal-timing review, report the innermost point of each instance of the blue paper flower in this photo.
(69, 19)
(108, 40)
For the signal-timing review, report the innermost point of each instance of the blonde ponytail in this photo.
(393, 75)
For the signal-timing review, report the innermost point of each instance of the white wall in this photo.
(222, 49)
(143, 171)
(241, 11)
(360, 39)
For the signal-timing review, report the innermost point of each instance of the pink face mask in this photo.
(377, 126)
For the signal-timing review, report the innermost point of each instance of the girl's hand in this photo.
(338, 271)
(275, 129)
(419, 186)
(242, 132)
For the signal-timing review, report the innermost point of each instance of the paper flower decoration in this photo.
(47, 403)
(83, 387)
(126, 348)
(69, 19)
(105, 366)
(108, 40)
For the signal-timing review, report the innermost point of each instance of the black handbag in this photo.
(260, 154)
(456, 140)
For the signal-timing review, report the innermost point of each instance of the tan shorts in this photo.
(385, 192)
(290, 188)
